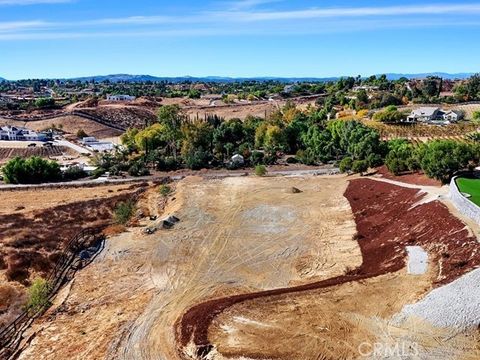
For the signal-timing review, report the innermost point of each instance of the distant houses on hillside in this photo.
(120, 98)
(16, 133)
(434, 115)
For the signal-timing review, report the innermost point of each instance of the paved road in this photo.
(74, 147)
(104, 180)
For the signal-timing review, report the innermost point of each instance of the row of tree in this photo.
(438, 159)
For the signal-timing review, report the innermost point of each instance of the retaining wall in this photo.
(463, 204)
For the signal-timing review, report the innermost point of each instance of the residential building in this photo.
(16, 133)
(434, 115)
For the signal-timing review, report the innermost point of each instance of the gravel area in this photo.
(417, 260)
(456, 305)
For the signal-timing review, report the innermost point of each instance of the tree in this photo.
(43, 103)
(441, 159)
(197, 159)
(401, 157)
(33, 170)
(228, 137)
(390, 115)
(172, 117)
(274, 139)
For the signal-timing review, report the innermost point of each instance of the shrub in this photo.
(33, 170)
(38, 294)
(257, 158)
(138, 169)
(306, 157)
(260, 170)
(359, 166)
(124, 212)
(346, 164)
(165, 190)
(167, 163)
(197, 160)
(476, 116)
(74, 173)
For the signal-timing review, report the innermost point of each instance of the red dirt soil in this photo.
(386, 223)
(410, 178)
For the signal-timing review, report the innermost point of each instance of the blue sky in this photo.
(69, 38)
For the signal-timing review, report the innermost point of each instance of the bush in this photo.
(74, 173)
(441, 159)
(138, 169)
(257, 158)
(306, 157)
(38, 294)
(165, 190)
(43, 103)
(401, 157)
(33, 170)
(124, 212)
(167, 163)
(359, 166)
(346, 164)
(197, 160)
(260, 170)
(476, 116)
(292, 160)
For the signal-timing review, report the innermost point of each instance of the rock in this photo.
(294, 190)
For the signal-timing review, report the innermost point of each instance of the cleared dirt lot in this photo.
(256, 271)
(235, 235)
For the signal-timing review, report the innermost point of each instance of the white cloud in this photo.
(248, 4)
(316, 13)
(232, 22)
(31, 2)
(20, 25)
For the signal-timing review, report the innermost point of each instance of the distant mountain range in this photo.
(143, 78)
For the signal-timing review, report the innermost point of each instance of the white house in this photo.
(120, 98)
(434, 115)
(16, 133)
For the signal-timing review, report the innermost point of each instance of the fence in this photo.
(70, 261)
(465, 206)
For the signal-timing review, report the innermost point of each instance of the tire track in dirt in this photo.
(382, 242)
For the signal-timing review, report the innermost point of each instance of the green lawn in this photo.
(472, 187)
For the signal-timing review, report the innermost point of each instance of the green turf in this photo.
(472, 187)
